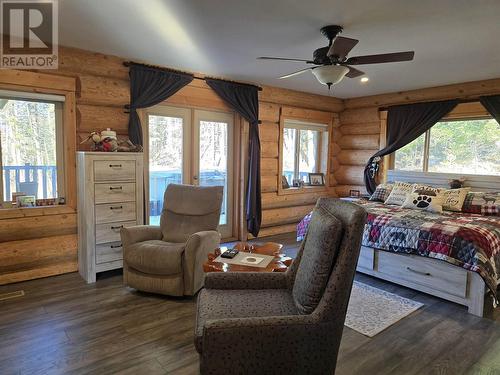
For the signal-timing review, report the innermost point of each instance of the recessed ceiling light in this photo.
(365, 79)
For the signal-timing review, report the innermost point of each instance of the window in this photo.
(31, 147)
(460, 146)
(305, 150)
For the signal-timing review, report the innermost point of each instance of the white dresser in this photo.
(110, 196)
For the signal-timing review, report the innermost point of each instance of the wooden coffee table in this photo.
(280, 263)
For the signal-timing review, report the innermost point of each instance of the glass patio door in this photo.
(191, 147)
(168, 131)
(213, 156)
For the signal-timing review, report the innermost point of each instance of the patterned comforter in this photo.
(469, 241)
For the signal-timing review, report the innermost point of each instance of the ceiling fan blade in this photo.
(353, 72)
(284, 59)
(341, 46)
(382, 58)
(296, 73)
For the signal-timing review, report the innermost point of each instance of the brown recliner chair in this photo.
(290, 322)
(169, 259)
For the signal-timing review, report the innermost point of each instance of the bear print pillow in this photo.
(425, 199)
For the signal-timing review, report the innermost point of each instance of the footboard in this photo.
(427, 275)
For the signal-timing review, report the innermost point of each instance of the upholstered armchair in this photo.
(290, 322)
(169, 259)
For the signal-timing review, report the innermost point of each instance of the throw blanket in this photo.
(469, 241)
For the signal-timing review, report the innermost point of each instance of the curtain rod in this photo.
(129, 63)
(459, 101)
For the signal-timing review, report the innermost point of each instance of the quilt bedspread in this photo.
(469, 241)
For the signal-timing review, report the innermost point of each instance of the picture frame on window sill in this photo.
(284, 183)
(316, 179)
(354, 193)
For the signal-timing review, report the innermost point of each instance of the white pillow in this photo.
(419, 188)
(425, 201)
(454, 199)
(398, 193)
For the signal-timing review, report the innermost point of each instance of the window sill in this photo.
(302, 190)
(21, 212)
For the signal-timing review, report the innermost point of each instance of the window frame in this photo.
(305, 120)
(58, 101)
(42, 83)
(473, 110)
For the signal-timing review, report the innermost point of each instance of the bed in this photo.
(452, 255)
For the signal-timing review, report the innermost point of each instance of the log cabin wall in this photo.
(281, 213)
(39, 246)
(104, 90)
(41, 241)
(359, 139)
(362, 125)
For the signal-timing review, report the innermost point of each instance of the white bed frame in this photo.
(428, 275)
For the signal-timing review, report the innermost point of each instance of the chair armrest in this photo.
(139, 233)
(198, 246)
(294, 344)
(248, 280)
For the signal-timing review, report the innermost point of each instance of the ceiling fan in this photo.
(331, 62)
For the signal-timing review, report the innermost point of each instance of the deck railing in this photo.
(38, 180)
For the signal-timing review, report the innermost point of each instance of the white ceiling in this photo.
(454, 40)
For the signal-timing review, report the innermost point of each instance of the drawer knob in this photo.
(116, 208)
(117, 227)
(115, 246)
(115, 188)
(115, 165)
(418, 272)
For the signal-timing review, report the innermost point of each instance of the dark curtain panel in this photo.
(148, 87)
(244, 99)
(492, 105)
(405, 123)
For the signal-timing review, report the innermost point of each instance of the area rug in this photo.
(372, 310)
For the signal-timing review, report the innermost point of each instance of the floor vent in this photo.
(17, 293)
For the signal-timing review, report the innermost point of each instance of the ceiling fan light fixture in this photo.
(330, 74)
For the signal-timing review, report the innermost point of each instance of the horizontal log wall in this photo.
(103, 90)
(359, 140)
(40, 246)
(41, 241)
(363, 133)
(281, 213)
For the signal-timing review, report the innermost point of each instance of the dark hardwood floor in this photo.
(64, 326)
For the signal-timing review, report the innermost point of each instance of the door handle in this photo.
(195, 178)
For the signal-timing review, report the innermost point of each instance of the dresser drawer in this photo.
(117, 192)
(366, 258)
(114, 170)
(431, 273)
(108, 252)
(110, 232)
(109, 213)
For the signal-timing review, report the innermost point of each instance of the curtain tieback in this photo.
(129, 108)
(374, 166)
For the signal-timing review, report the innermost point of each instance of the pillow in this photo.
(482, 203)
(454, 199)
(419, 188)
(425, 200)
(381, 193)
(398, 193)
